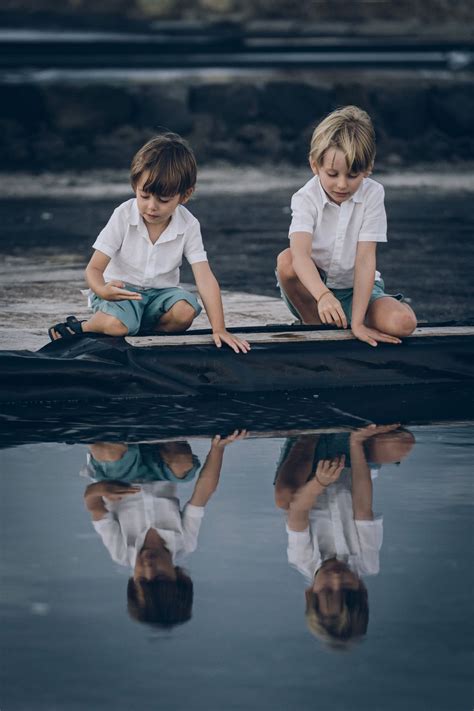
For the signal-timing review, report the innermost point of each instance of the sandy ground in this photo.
(50, 221)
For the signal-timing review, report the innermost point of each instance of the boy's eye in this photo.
(354, 176)
(145, 196)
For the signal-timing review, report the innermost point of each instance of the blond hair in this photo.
(170, 163)
(350, 624)
(350, 130)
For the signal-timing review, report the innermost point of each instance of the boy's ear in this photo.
(314, 166)
(185, 197)
(309, 597)
(369, 170)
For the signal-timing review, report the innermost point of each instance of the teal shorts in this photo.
(143, 315)
(139, 464)
(344, 296)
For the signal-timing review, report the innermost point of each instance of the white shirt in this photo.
(124, 527)
(136, 260)
(337, 229)
(333, 533)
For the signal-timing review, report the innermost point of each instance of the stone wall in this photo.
(245, 118)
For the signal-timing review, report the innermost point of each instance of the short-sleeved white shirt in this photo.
(333, 533)
(124, 527)
(336, 229)
(136, 260)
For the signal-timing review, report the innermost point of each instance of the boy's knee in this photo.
(181, 315)
(403, 323)
(114, 327)
(285, 265)
(283, 497)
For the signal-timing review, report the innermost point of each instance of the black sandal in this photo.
(69, 328)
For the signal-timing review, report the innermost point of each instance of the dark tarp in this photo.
(92, 368)
(98, 387)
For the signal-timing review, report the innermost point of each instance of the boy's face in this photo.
(329, 584)
(152, 564)
(154, 209)
(337, 181)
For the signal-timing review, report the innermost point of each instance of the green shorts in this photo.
(143, 315)
(139, 463)
(344, 296)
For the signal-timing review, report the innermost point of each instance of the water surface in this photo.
(68, 642)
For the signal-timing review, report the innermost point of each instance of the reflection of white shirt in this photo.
(136, 260)
(337, 229)
(127, 522)
(333, 533)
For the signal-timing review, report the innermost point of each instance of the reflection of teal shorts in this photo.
(344, 296)
(143, 315)
(139, 463)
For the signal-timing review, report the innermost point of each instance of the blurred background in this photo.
(83, 83)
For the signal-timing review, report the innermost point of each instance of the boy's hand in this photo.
(111, 490)
(115, 291)
(331, 311)
(372, 336)
(219, 442)
(364, 433)
(329, 470)
(235, 343)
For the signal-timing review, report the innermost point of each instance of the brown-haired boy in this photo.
(133, 274)
(138, 516)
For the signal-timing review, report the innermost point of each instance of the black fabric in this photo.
(98, 368)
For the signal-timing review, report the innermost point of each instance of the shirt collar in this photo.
(357, 197)
(176, 226)
(134, 217)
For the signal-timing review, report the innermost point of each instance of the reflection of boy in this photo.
(143, 526)
(333, 535)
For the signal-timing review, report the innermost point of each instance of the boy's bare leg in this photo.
(294, 289)
(178, 318)
(99, 323)
(104, 323)
(391, 316)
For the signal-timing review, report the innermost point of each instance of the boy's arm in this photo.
(113, 490)
(112, 290)
(211, 471)
(361, 478)
(327, 472)
(210, 294)
(364, 275)
(329, 308)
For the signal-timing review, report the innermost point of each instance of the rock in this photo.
(234, 103)
(452, 109)
(293, 106)
(163, 107)
(73, 108)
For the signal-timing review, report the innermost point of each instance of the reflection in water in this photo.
(324, 482)
(135, 509)
(63, 597)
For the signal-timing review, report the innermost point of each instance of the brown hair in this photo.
(350, 130)
(170, 164)
(164, 603)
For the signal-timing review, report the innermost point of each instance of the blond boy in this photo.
(328, 275)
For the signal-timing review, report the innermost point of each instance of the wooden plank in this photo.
(188, 339)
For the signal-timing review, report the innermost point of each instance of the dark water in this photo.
(68, 642)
